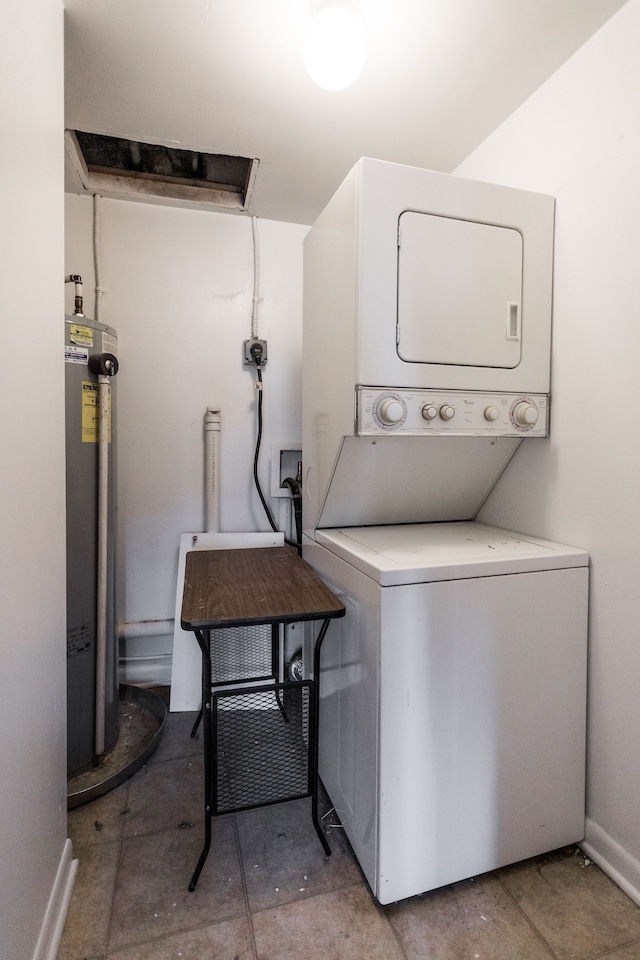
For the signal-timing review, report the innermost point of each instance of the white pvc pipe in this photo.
(212, 469)
(135, 629)
(104, 391)
(97, 256)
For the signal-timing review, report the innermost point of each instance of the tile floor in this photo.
(267, 892)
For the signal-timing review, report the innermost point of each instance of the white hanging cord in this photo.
(97, 256)
(256, 279)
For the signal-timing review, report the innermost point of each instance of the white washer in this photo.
(453, 698)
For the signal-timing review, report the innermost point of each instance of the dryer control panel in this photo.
(381, 410)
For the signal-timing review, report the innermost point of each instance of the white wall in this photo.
(35, 863)
(179, 289)
(578, 138)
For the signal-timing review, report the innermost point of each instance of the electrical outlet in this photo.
(255, 351)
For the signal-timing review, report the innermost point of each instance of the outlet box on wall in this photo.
(285, 458)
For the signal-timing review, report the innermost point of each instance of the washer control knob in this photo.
(429, 412)
(491, 414)
(525, 414)
(390, 411)
(447, 412)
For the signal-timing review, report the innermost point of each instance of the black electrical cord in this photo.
(255, 464)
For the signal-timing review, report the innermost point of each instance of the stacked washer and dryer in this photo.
(453, 693)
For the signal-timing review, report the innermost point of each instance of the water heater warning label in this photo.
(78, 639)
(81, 335)
(91, 413)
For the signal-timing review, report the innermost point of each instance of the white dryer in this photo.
(426, 343)
(452, 717)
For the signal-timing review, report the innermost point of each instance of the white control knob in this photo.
(491, 414)
(429, 412)
(390, 411)
(525, 414)
(447, 412)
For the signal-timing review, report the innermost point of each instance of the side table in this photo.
(260, 735)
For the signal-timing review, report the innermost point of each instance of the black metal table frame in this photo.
(210, 737)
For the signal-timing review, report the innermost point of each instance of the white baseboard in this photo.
(614, 860)
(56, 912)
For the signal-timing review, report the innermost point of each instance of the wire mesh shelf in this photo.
(239, 653)
(262, 742)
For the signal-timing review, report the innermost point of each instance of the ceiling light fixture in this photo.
(334, 48)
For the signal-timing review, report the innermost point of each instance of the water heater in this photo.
(92, 660)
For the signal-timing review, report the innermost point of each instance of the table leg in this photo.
(315, 729)
(275, 667)
(194, 729)
(207, 706)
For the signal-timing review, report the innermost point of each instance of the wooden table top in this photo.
(231, 588)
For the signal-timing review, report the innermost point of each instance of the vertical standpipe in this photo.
(104, 396)
(104, 366)
(212, 423)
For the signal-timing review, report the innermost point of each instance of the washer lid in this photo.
(424, 552)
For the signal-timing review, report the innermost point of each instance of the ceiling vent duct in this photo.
(129, 169)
